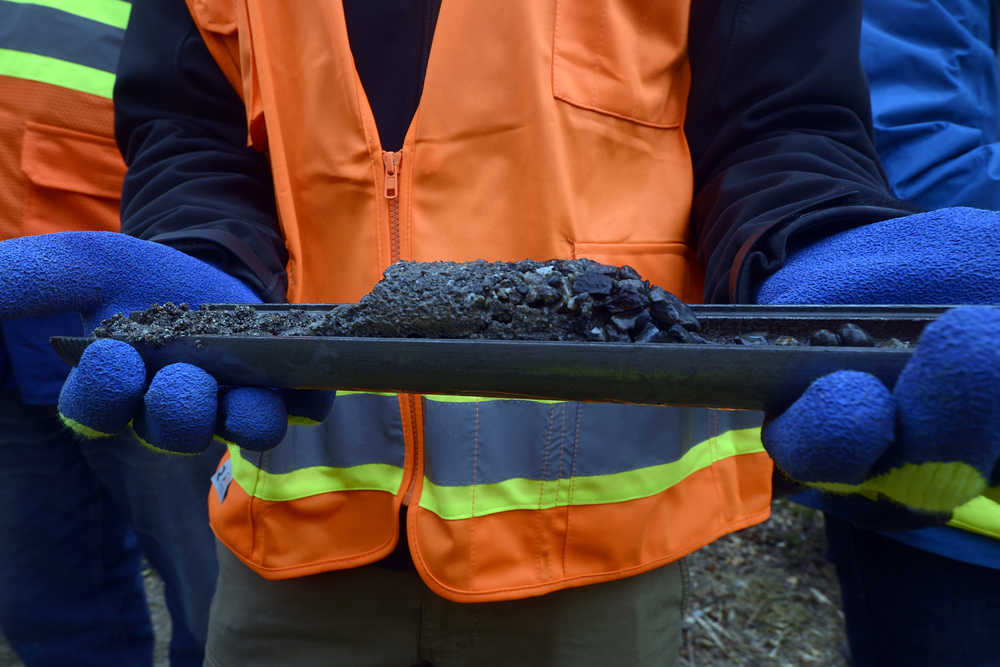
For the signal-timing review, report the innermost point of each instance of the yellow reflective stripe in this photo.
(463, 502)
(442, 398)
(82, 430)
(21, 65)
(312, 481)
(109, 12)
(979, 515)
(931, 487)
(341, 392)
(302, 421)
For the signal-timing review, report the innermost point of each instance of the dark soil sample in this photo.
(558, 300)
(162, 323)
(561, 300)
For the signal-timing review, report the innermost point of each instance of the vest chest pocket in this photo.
(623, 58)
(73, 180)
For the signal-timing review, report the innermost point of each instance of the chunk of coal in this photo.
(626, 272)
(678, 334)
(752, 339)
(895, 343)
(594, 283)
(854, 336)
(651, 334)
(614, 335)
(786, 340)
(668, 310)
(824, 338)
(632, 323)
(629, 295)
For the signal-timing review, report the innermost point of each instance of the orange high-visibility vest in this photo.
(546, 129)
(60, 169)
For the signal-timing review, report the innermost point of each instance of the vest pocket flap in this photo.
(63, 159)
(623, 58)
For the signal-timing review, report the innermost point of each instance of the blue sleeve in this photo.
(935, 94)
(192, 181)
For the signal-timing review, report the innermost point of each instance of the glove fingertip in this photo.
(252, 417)
(179, 410)
(836, 431)
(949, 392)
(103, 391)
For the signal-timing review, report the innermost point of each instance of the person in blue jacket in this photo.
(78, 517)
(928, 596)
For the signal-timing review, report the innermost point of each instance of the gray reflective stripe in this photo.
(361, 429)
(112, 12)
(49, 32)
(486, 442)
(463, 502)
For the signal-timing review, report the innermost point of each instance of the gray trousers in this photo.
(379, 616)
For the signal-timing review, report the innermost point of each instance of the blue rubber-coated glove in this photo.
(100, 274)
(932, 442)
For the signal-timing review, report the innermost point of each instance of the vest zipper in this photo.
(417, 464)
(391, 161)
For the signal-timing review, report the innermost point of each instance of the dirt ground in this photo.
(761, 597)
(765, 596)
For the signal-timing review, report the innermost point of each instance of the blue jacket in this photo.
(932, 68)
(28, 362)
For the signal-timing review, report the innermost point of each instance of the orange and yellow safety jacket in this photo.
(507, 498)
(546, 129)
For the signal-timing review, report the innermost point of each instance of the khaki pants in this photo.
(378, 616)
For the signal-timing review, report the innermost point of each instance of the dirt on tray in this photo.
(576, 299)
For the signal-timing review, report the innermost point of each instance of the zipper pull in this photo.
(391, 161)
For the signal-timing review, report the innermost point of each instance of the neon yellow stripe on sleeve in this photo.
(21, 65)
(109, 12)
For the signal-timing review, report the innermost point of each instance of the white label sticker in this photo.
(222, 478)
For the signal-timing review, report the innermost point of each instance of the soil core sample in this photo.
(560, 300)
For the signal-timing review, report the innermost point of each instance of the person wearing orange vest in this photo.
(294, 150)
(78, 517)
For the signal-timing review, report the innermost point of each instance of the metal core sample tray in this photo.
(720, 375)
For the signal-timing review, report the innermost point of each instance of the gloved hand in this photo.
(933, 442)
(99, 274)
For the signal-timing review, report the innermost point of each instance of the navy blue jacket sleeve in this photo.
(935, 90)
(779, 126)
(192, 182)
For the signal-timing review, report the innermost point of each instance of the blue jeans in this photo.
(905, 606)
(77, 518)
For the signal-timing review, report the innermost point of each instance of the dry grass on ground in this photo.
(765, 596)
